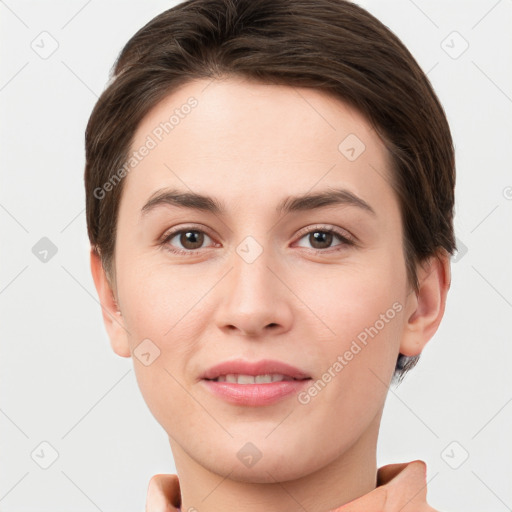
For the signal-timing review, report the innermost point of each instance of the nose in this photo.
(255, 300)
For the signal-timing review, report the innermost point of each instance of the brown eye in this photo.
(186, 241)
(191, 239)
(320, 239)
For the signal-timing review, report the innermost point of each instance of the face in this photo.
(318, 284)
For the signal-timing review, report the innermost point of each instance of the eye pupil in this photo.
(192, 237)
(323, 237)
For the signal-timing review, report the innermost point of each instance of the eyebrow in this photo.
(303, 202)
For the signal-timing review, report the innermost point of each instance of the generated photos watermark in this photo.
(361, 341)
(151, 142)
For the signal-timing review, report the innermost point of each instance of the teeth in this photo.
(252, 379)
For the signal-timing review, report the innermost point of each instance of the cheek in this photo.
(363, 310)
(157, 298)
(357, 362)
(351, 299)
(159, 304)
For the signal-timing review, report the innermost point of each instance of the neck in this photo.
(349, 476)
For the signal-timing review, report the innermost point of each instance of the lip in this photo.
(254, 394)
(262, 367)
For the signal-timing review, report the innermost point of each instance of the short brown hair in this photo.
(332, 45)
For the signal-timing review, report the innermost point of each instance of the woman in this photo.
(270, 191)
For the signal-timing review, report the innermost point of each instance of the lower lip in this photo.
(255, 394)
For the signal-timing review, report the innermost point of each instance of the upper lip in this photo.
(262, 367)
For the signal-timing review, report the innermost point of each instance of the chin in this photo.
(262, 461)
(269, 471)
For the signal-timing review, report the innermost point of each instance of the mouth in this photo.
(254, 379)
(254, 384)
(266, 371)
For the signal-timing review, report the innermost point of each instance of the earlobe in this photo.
(425, 308)
(112, 317)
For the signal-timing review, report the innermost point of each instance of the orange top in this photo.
(400, 487)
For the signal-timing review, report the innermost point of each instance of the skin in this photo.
(301, 301)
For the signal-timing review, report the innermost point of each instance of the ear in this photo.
(112, 317)
(425, 308)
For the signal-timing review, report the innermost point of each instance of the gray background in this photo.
(60, 382)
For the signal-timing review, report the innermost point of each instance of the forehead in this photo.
(239, 139)
(238, 111)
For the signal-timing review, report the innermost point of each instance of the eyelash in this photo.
(346, 240)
